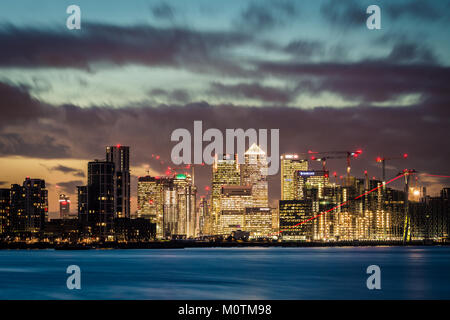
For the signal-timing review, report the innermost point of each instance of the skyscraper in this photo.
(120, 156)
(96, 200)
(225, 172)
(180, 207)
(254, 174)
(289, 164)
(150, 201)
(170, 202)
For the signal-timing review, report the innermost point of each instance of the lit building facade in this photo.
(170, 203)
(291, 214)
(254, 174)
(430, 217)
(290, 163)
(258, 222)
(233, 202)
(225, 171)
(151, 200)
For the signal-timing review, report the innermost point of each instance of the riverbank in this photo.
(181, 244)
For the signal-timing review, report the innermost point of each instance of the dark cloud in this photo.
(411, 52)
(370, 81)
(173, 96)
(419, 130)
(264, 16)
(70, 187)
(253, 91)
(351, 13)
(32, 145)
(304, 48)
(345, 14)
(4, 183)
(66, 169)
(16, 105)
(163, 11)
(146, 45)
(416, 9)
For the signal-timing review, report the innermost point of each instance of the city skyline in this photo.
(312, 207)
(305, 161)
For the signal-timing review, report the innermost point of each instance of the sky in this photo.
(136, 71)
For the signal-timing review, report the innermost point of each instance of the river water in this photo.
(228, 273)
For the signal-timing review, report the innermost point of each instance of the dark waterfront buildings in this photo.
(430, 217)
(5, 203)
(96, 200)
(24, 208)
(107, 193)
(29, 206)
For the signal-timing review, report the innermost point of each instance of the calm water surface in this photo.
(228, 273)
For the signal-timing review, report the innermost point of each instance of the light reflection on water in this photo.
(228, 273)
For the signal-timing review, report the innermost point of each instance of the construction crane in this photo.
(335, 155)
(383, 162)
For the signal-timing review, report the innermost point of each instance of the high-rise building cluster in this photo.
(312, 207)
(240, 195)
(169, 203)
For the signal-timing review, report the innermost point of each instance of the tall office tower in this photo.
(64, 207)
(254, 174)
(179, 207)
(225, 171)
(29, 206)
(292, 213)
(120, 156)
(150, 201)
(96, 200)
(5, 203)
(289, 164)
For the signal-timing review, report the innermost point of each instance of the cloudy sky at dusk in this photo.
(137, 71)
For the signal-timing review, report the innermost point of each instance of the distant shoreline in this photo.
(180, 244)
